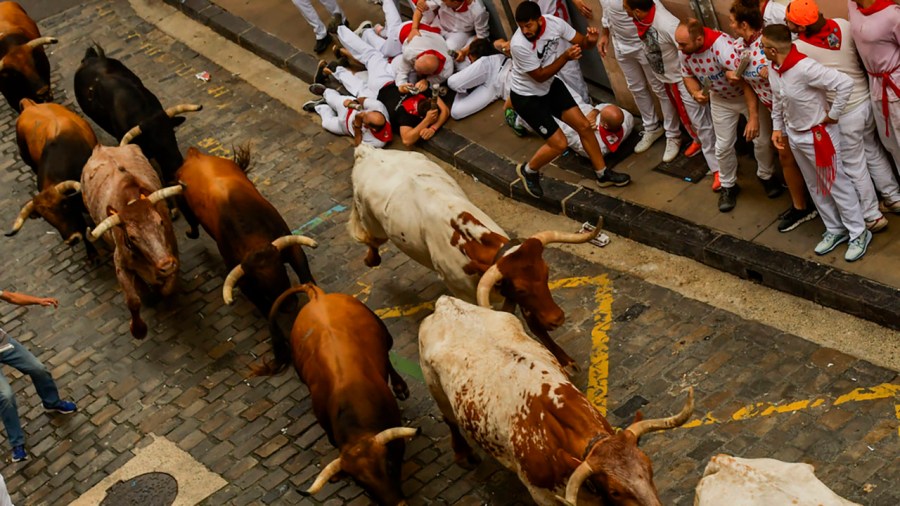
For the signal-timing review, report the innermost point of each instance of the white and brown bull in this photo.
(123, 195)
(406, 198)
(502, 391)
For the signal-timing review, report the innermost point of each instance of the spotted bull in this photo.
(403, 197)
(56, 143)
(115, 98)
(253, 238)
(534, 422)
(24, 68)
(340, 351)
(124, 196)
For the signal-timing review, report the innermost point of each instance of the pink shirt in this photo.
(877, 40)
(709, 65)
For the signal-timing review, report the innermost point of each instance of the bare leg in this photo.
(793, 177)
(401, 390)
(548, 152)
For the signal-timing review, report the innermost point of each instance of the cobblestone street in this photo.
(759, 392)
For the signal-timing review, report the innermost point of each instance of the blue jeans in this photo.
(22, 359)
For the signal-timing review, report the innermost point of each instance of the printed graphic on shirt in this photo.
(547, 53)
(754, 75)
(709, 67)
(654, 52)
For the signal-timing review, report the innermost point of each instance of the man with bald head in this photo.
(426, 55)
(611, 124)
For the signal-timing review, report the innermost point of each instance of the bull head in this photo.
(619, 468)
(368, 463)
(51, 204)
(116, 220)
(238, 271)
(25, 72)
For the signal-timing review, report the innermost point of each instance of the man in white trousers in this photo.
(656, 27)
(312, 17)
(460, 21)
(344, 115)
(830, 42)
(707, 55)
(802, 111)
(483, 81)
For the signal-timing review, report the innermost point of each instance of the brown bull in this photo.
(125, 198)
(24, 68)
(340, 351)
(56, 143)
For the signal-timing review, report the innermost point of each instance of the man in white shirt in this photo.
(830, 42)
(345, 115)
(460, 21)
(619, 33)
(801, 109)
(707, 55)
(611, 124)
(571, 73)
(539, 97)
(483, 81)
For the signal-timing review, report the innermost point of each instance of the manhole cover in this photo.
(148, 489)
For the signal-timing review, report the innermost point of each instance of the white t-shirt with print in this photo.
(528, 56)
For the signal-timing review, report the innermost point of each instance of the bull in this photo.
(339, 348)
(115, 98)
(534, 422)
(56, 143)
(125, 198)
(404, 197)
(24, 67)
(252, 237)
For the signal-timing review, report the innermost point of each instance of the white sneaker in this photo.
(362, 26)
(648, 137)
(673, 146)
(858, 247)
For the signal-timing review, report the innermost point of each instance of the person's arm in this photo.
(587, 40)
(752, 130)
(403, 68)
(410, 135)
(831, 80)
(418, 12)
(21, 299)
(357, 129)
(777, 118)
(695, 90)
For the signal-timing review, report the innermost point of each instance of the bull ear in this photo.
(177, 121)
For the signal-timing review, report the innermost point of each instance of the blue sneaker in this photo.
(829, 242)
(19, 454)
(64, 407)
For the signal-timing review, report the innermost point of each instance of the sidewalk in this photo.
(656, 209)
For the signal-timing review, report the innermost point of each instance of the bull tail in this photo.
(281, 345)
(241, 156)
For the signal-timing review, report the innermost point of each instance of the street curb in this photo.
(810, 280)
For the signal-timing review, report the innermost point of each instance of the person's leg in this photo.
(23, 360)
(725, 115)
(371, 38)
(312, 17)
(458, 40)
(579, 123)
(889, 128)
(633, 67)
(467, 104)
(702, 125)
(879, 165)
(392, 24)
(572, 75)
(554, 146)
(762, 145)
(358, 48)
(9, 412)
(805, 156)
(843, 191)
(333, 7)
(330, 120)
(353, 84)
(476, 74)
(671, 121)
(852, 127)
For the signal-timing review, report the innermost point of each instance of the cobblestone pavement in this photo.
(760, 393)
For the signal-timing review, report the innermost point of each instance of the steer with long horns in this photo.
(404, 197)
(116, 99)
(340, 350)
(56, 143)
(253, 238)
(500, 390)
(124, 196)
(24, 68)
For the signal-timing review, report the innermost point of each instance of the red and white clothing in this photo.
(753, 74)
(479, 84)
(460, 25)
(528, 56)
(800, 88)
(555, 8)
(571, 73)
(426, 43)
(338, 119)
(609, 140)
(379, 70)
(709, 63)
(864, 158)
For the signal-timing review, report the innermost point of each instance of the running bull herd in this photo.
(535, 422)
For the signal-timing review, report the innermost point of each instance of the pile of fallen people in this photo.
(823, 95)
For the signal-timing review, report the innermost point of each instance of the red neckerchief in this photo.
(790, 60)
(826, 157)
(644, 24)
(411, 104)
(829, 37)
(407, 27)
(878, 6)
(709, 38)
(543, 23)
(612, 140)
(384, 134)
(441, 59)
(463, 7)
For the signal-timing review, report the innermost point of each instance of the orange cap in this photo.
(802, 12)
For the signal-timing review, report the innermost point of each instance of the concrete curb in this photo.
(819, 283)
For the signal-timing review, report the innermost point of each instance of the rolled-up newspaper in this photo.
(745, 61)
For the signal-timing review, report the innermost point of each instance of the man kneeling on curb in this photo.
(539, 97)
(14, 354)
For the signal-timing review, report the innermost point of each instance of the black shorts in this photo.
(539, 112)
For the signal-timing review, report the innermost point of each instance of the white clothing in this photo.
(890, 141)
(660, 46)
(753, 74)
(700, 117)
(312, 17)
(865, 160)
(528, 56)
(389, 44)
(773, 13)
(479, 84)
(800, 97)
(5, 499)
(709, 65)
(338, 119)
(641, 81)
(555, 8)
(380, 72)
(413, 48)
(845, 60)
(725, 116)
(472, 21)
(621, 28)
(574, 140)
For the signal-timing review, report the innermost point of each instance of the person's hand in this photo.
(404, 89)
(752, 130)
(427, 133)
(422, 6)
(603, 44)
(462, 54)
(592, 116)
(732, 77)
(764, 72)
(573, 53)
(47, 301)
(829, 120)
(348, 101)
(778, 140)
(431, 116)
(700, 97)
(502, 45)
(422, 85)
(583, 8)
(413, 33)
(592, 36)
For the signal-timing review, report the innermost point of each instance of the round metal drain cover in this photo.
(148, 489)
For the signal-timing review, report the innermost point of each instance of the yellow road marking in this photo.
(897, 412)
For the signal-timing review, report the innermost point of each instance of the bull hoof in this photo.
(571, 369)
(138, 329)
(373, 259)
(192, 233)
(467, 461)
(401, 391)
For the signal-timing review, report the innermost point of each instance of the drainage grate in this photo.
(148, 489)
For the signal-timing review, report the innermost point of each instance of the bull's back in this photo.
(113, 176)
(39, 125)
(14, 20)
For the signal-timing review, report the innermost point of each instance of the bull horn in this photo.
(290, 240)
(182, 108)
(230, 281)
(169, 191)
(645, 426)
(579, 475)
(490, 278)
(41, 41)
(330, 470)
(104, 226)
(386, 436)
(130, 135)
(26, 211)
(551, 236)
(68, 185)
